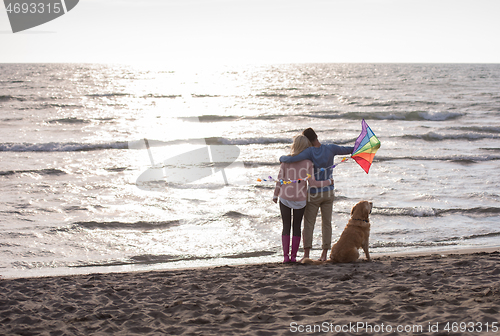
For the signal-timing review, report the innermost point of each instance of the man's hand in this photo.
(284, 158)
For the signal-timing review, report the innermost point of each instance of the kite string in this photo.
(271, 179)
(335, 165)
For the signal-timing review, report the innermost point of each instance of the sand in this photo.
(392, 295)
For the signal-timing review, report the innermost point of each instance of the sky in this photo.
(261, 31)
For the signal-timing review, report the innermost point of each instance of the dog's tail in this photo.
(315, 262)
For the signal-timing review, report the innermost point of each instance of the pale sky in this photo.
(261, 31)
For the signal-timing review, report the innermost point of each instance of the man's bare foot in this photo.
(323, 255)
(306, 254)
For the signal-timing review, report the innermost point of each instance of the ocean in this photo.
(73, 150)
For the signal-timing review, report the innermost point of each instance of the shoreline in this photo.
(71, 271)
(264, 299)
(56, 272)
(444, 251)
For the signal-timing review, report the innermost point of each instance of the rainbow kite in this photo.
(365, 147)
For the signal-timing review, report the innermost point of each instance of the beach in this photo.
(88, 247)
(452, 293)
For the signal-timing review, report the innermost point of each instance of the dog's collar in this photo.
(363, 220)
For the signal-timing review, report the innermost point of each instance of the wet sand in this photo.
(392, 295)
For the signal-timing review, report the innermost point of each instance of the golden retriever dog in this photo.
(355, 236)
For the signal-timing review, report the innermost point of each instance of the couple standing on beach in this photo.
(310, 163)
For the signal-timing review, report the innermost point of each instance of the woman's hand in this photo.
(275, 199)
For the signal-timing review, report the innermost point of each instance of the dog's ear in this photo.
(356, 210)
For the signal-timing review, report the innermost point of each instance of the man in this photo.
(322, 156)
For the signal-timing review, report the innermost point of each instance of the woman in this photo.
(292, 193)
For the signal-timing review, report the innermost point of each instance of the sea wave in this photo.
(350, 141)
(432, 136)
(150, 259)
(71, 120)
(436, 212)
(389, 103)
(4, 98)
(194, 95)
(277, 94)
(472, 236)
(272, 94)
(479, 129)
(61, 147)
(267, 116)
(253, 141)
(491, 149)
(399, 244)
(116, 225)
(336, 115)
(47, 171)
(464, 159)
(406, 116)
(145, 259)
(216, 141)
(106, 95)
(455, 158)
(313, 95)
(436, 242)
(63, 105)
(267, 141)
(211, 118)
(154, 95)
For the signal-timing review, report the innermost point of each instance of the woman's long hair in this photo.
(300, 142)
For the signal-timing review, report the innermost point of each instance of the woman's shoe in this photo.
(285, 242)
(295, 248)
